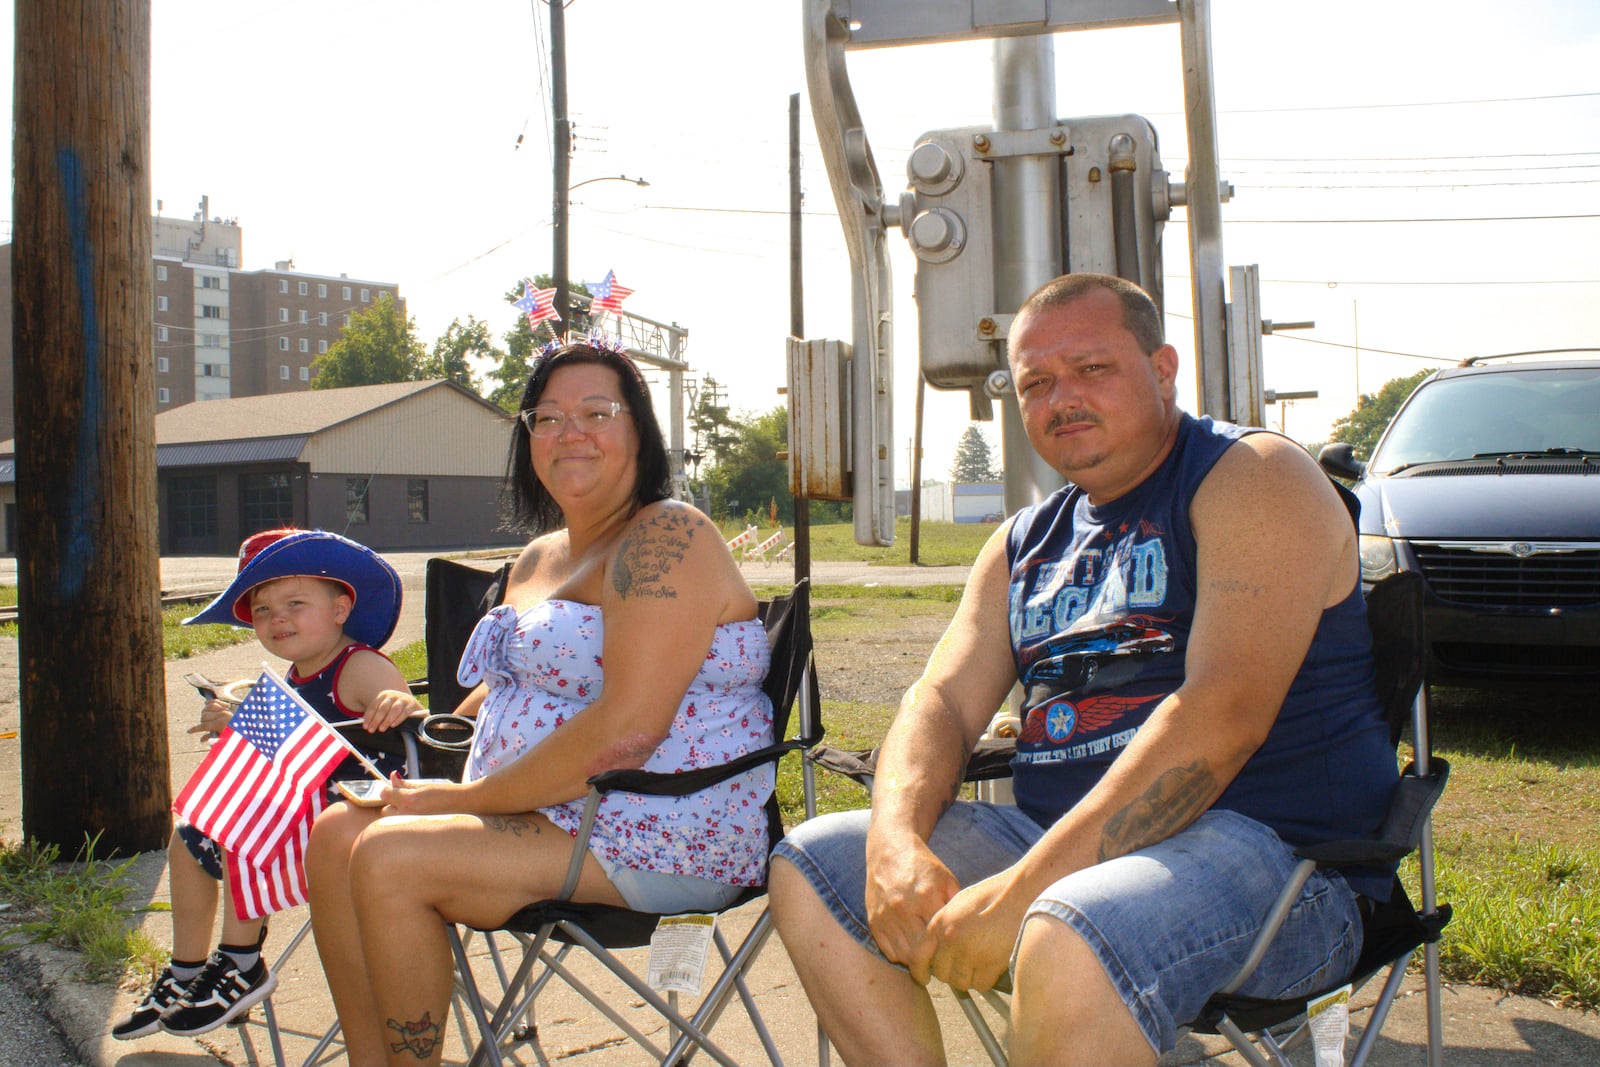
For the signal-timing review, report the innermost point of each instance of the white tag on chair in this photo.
(678, 950)
(1329, 1019)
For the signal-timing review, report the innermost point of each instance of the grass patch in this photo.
(79, 905)
(177, 640)
(939, 544)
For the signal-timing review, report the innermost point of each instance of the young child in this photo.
(326, 604)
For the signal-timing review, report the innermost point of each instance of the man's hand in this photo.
(906, 887)
(974, 933)
(388, 709)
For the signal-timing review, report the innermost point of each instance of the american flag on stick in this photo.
(607, 295)
(259, 789)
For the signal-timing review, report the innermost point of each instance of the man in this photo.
(1185, 617)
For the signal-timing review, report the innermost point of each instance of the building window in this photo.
(162, 396)
(355, 500)
(161, 365)
(161, 303)
(305, 344)
(162, 333)
(322, 290)
(213, 340)
(382, 293)
(346, 292)
(265, 502)
(347, 318)
(304, 316)
(283, 285)
(322, 318)
(211, 311)
(161, 272)
(304, 288)
(305, 374)
(417, 499)
(210, 281)
(366, 296)
(283, 344)
(192, 509)
(322, 346)
(283, 314)
(283, 372)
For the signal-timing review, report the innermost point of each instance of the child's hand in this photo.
(213, 717)
(388, 709)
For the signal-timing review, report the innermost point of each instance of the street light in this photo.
(608, 178)
(563, 200)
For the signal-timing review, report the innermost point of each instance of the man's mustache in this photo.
(1067, 418)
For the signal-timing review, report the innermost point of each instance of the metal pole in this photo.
(1027, 228)
(797, 322)
(1202, 189)
(562, 154)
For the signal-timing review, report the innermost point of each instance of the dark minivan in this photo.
(1487, 481)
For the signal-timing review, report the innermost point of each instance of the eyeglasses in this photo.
(592, 417)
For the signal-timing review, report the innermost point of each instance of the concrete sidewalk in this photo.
(1481, 1027)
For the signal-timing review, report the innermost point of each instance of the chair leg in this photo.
(1380, 1010)
(731, 979)
(980, 1026)
(1242, 1044)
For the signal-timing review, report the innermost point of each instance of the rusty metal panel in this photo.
(819, 423)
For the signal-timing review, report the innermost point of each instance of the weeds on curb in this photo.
(79, 905)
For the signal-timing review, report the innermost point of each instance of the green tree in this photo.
(522, 341)
(973, 462)
(455, 350)
(380, 345)
(748, 474)
(1363, 426)
(711, 424)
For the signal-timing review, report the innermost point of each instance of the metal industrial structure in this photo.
(992, 213)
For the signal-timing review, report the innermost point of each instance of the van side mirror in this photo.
(1339, 460)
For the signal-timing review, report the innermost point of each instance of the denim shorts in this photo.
(1170, 923)
(667, 894)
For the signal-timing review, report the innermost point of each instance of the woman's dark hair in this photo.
(528, 504)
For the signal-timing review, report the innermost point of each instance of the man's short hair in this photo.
(1140, 316)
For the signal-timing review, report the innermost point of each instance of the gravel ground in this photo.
(28, 1036)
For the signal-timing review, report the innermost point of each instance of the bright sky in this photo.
(379, 138)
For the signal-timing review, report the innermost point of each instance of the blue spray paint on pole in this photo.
(85, 485)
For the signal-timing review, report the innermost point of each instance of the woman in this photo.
(619, 582)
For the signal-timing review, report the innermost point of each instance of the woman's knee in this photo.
(387, 856)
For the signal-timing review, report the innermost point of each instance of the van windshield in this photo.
(1540, 410)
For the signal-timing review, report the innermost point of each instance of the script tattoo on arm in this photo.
(515, 825)
(649, 553)
(1172, 802)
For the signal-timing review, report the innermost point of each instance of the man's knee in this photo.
(1066, 1005)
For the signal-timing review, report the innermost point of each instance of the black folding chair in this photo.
(547, 931)
(1392, 933)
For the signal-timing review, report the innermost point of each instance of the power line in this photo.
(1413, 103)
(1342, 222)
(1425, 185)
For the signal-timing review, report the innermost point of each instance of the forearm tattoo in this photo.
(1172, 802)
(649, 553)
(418, 1038)
(516, 825)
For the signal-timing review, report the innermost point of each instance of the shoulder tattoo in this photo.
(650, 551)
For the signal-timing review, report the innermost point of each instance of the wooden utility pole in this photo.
(561, 159)
(93, 703)
(797, 321)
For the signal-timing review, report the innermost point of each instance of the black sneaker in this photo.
(146, 1018)
(216, 995)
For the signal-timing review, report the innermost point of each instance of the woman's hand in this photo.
(405, 797)
(389, 709)
(213, 717)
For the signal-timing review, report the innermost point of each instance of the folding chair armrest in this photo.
(1413, 799)
(682, 783)
(989, 760)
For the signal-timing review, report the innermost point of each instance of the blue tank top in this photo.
(320, 691)
(1101, 603)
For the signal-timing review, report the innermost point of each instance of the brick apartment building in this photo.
(220, 331)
